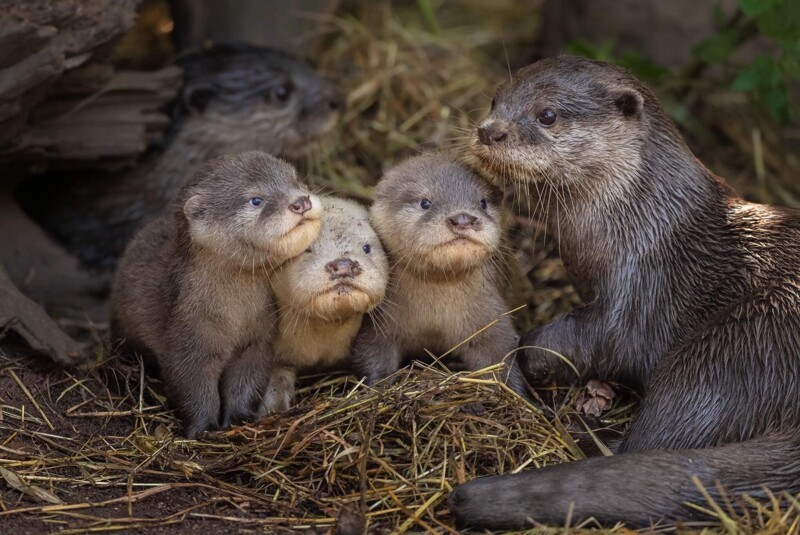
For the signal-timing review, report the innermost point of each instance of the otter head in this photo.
(342, 274)
(242, 97)
(564, 121)
(436, 219)
(250, 210)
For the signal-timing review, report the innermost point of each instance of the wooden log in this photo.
(22, 316)
(40, 40)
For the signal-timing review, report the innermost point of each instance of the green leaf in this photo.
(763, 73)
(776, 100)
(718, 47)
(753, 8)
(782, 22)
(603, 51)
(429, 15)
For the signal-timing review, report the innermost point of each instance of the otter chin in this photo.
(452, 259)
(322, 296)
(341, 303)
(307, 226)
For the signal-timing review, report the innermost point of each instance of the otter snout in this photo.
(301, 205)
(343, 267)
(463, 221)
(492, 133)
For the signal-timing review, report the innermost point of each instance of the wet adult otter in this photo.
(323, 295)
(692, 295)
(234, 99)
(441, 228)
(192, 288)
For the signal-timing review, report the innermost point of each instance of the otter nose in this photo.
(343, 267)
(301, 205)
(491, 134)
(462, 221)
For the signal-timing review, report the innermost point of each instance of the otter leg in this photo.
(195, 389)
(543, 350)
(279, 392)
(374, 356)
(243, 383)
(636, 488)
(192, 374)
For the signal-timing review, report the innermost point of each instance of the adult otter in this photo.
(692, 295)
(192, 288)
(234, 99)
(323, 295)
(440, 226)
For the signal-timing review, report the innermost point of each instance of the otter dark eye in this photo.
(546, 117)
(367, 248)
(483, 204)
(282, 92)
(308, 250)
(256, 201)
(425, 204)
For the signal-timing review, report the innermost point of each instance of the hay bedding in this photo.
(75, 456)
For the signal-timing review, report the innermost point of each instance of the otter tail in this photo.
(639, 489)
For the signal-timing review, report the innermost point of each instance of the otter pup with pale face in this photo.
(322, 297)
(692, 296)
(441, 228)
(192, 288)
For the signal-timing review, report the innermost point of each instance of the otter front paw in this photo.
(237, 409)
(542, 364)
(194, 425)
(279, 392)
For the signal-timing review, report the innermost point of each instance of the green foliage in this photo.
(766, 78)
(637, 63)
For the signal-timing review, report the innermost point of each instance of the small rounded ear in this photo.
(629, 101)
(197, 98)
(193, 208)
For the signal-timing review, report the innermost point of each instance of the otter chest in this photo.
(315, 345)
(438, 316)
(235, 304)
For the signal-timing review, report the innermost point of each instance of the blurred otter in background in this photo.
(234, 98)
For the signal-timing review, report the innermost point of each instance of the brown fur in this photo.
(320, 311)
(442, 290)
(692, 296)
(192, 288)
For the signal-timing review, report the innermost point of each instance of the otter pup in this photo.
(440, 226)
(234, 98)
(323, 295)
(692, 295)
(192, 288)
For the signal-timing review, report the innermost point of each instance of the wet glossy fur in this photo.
(441, 292)
(692, 296)
(192, 288)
